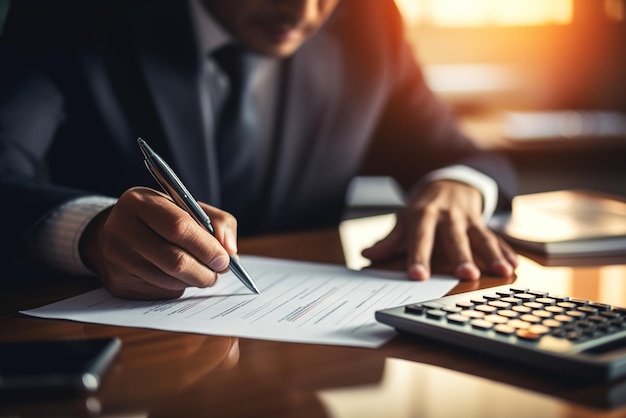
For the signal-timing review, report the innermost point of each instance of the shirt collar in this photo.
(210, 34)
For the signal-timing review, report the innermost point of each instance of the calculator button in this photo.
(491, 296)
(432, 305)
(525, 297)
(563, 318)
(504, 293)
(481, 324)
(499, 304)
(415, 309)
(518, 324)
(504, 329)
(546, 301)
(619, 322)
(539, 329)
(597, 318)
(486, 309)
(552, 323)
(530, 318)
(465, 305)
(591, 331)
(521, 309)
(579, 302)
(518, 289)
(451, 309)
(496, 319)
(567, 305)
(533, 333)
(559, 298)
(621, 311)
(610, 314)
(576, 314)
(538, 293)
(478, 301)
(472, 314)
(574, 335)
(543, 314)
(435, 314)
(600, 306)
(512, 300)
(589, 310)
(571, 327)
(554, 309)
(508, 313)
(533, 305)
(457, 319)
(585, 324)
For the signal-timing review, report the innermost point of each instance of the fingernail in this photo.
(230, 242)
(467, 271)
(418, 271)
(219, 263)
(502, 268)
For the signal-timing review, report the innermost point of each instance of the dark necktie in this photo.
(236, 133)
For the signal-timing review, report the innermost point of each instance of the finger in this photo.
(509, 253)
(456, 244)
(420, 241)
(170, 267)
(506, 268)
(387, 247)
(128, 286)
(497, 255)
(224, 226)
(147, 255)
(177, 227)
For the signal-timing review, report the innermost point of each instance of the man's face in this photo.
(272, 27)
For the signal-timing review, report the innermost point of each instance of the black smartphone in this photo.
(57, 366)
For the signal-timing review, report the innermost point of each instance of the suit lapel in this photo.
(169, 60)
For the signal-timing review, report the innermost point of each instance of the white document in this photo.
(299, 302)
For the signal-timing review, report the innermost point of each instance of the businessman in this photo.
(265, 108)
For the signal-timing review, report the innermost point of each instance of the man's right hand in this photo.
(147, 247)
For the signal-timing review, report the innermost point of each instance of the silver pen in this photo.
(172, 185)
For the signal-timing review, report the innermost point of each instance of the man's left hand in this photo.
(448, 213)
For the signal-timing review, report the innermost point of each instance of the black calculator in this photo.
(568, 336)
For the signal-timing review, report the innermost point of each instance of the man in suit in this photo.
(337, 91)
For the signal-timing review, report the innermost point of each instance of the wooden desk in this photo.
(162, 374)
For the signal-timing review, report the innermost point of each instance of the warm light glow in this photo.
(614, 10)
(412, 389)
(486, 12)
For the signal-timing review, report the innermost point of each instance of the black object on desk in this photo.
(56, 366)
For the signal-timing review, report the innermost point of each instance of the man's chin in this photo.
(276, 52)
(274, 48)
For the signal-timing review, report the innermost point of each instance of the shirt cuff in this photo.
(57, 238)
(464, 174)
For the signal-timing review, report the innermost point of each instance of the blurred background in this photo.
(543, 81)
(540, 80)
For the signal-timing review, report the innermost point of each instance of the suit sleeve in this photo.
(417, 131)
(31, 112)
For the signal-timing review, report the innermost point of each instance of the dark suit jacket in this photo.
(80, 81)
